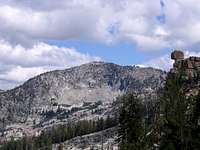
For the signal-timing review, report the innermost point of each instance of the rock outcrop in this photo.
(106, 139)
(177, 55)
(189, 67)
(189, 71)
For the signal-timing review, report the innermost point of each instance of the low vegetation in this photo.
(60, 134)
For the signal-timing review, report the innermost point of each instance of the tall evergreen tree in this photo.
(131, 123)
(195, 123)
(176, 114)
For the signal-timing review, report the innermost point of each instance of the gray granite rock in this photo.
(93, 82)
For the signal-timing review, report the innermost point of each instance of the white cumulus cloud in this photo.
(150, 25)
(17, 63)
(27, 22)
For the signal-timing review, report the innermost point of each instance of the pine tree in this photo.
(195, 123)
(131, 123)
(176, 114)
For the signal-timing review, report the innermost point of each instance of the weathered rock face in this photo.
(106, 139)
(91, 82)
(189, 70)
(190, 67)
(177, 55)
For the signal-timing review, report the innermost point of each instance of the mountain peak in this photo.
(92, 82)
(97, 63)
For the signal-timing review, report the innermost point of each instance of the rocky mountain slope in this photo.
(83, 92)
(105, 139)
(91, 82)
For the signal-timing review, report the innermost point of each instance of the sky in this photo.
(43, 35)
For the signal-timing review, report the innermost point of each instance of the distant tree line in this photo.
(60, 134)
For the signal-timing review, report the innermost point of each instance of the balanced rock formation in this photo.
(188, 69)
(177, 55)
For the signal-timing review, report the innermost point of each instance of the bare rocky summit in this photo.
(93, 82)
